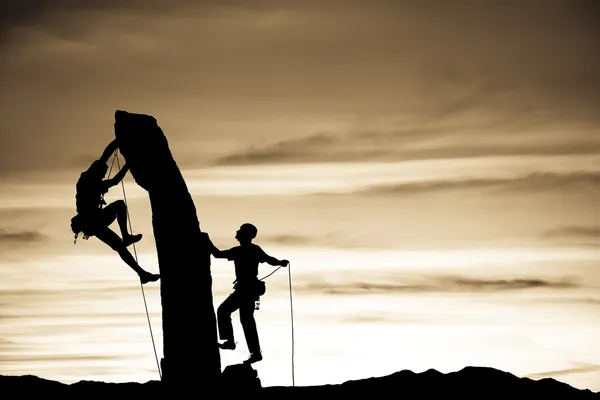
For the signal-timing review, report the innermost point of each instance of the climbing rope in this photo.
(266, 276)
(136, 259)
(111, 165)
(292, 319)
(291, 312)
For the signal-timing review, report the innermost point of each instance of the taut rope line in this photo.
(292, 319)
(136, 259)
(291, 312)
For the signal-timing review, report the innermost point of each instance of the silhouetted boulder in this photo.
(241, 375)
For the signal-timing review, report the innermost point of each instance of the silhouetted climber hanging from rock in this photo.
(93, 219)
(247, 289)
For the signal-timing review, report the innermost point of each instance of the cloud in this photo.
(58, 358)
(330, 147)
(535, 182)
(267, 60)
(16, 237)
(288, 239)
(406, 144)
(43, 14)
(80, 290)
(372, 318)
(329, 240)
(575, 235)
(568, 300)
(115, 318)
(439, 284)
(16, 352)
(574, 232)
(582, 368)
(292, 150)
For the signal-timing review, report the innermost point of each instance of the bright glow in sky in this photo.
(87, 316)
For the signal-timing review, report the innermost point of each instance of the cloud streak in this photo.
(80, 291)
(589, 301)
(59, 358)
(575, 235)
(43, 14)
(583, 368)
(401, 145)
(329, 240)
(439, 284)
(574, 232)
(18, 237)
(529, 183)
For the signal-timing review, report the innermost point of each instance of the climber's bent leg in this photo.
(113, 240)
(118, 210)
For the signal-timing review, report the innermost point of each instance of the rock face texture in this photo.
(188, 317)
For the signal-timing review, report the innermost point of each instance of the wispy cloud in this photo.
(574, 235)
(568, 300)
(42, 13)
(59, 357)
(81, 290)
(288, 239)
(288, 151)
(535, 182)
(336, 240)
(338, 147)
(575, 232)
(115, 318)
(582, 368)
(16, 236)
(13, 243)
(404, 144)
(439, 284)
(372, 317)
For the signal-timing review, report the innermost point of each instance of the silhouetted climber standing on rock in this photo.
(247, 289)
(93, 219)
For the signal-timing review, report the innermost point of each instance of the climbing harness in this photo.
(76, 220)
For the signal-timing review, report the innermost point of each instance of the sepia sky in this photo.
(431, 169)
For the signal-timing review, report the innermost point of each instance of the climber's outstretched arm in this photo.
(219, 253)
(108, 183)
(109, 150)
(275, 261)
(213, 249)
(264, 257)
